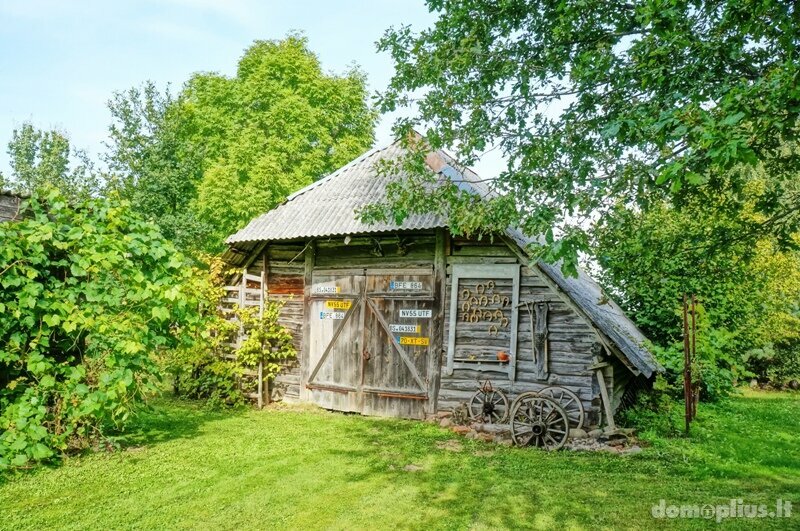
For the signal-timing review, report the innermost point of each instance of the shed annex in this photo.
(407, 320)
(10, 204)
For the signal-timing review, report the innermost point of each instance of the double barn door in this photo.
(371, 340)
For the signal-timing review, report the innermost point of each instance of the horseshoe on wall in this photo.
(506, 302)
(473, 301)
(490, 284)
(496, 299)
(481, 289)
(484, 300)
(465, 293)
(474, 318)
(487, 315)
(498, 314)
(465, 306)
(465, 317)
(493, 331)
(504, 322)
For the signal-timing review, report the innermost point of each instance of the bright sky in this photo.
(60, 61)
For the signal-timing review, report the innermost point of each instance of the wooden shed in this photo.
(10, 204)
(407, 320)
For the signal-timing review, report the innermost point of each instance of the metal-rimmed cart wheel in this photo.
(540, 422)
(569, 401)
(488, 405)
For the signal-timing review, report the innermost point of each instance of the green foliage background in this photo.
(225, 149)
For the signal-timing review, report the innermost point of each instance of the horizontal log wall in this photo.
(9, 207)
(570, 339)
(285, 263)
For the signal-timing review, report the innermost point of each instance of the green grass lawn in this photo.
(184, 467)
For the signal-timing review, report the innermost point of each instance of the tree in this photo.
(155, 167)
(229, 148)
(599, 103)
(44, 158)
(748, 292)
(280, 123)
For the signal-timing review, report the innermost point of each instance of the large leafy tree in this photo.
(749, 292)
(229, 148)
(280, 123)
(153, 164)
(41, 159)
(596, 103)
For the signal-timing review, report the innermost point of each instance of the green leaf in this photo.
(160, 313)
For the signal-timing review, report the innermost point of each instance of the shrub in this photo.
(777, 364)
(656, 411)
(89, 293)
(209, 368)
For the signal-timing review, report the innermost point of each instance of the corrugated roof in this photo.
(328, 208)
(604, 313)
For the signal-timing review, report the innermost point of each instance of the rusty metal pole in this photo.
(695, 387)
(687, 372)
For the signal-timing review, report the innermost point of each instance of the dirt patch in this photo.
(451, 445)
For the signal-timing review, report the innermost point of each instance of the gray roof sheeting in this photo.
(327, 208)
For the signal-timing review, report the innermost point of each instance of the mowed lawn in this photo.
(184, 467)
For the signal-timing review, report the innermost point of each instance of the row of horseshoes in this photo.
(471, 308)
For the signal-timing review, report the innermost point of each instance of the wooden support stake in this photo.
(260, 384)
(305, 340)
(687, 367)
(606, 402)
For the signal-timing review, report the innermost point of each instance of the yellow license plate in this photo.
(338, 305)
(416, 341)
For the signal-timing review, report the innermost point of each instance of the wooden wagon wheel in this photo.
(488, 405)
(569, 401)
(539, 421)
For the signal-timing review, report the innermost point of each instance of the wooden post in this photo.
(242, 287)
(695, 384)
(262, 302)
(687, 369)
(606, 402)
(305, 344)
(439, 294)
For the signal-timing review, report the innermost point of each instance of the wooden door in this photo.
(370, 341)
(337, 304)
(396, 361)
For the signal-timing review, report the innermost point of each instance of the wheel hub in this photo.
(538, 428)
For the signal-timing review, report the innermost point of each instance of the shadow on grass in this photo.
(464, 484)
(167, 419)
(742, 448)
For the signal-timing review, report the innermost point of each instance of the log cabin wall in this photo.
(284, 265)
(571, 340)
(9, 206)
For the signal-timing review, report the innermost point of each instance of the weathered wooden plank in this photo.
(305, 356)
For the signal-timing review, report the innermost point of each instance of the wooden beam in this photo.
(439, 292)
(606, 402)
(305, 343)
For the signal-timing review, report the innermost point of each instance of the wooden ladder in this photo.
(247, 290)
